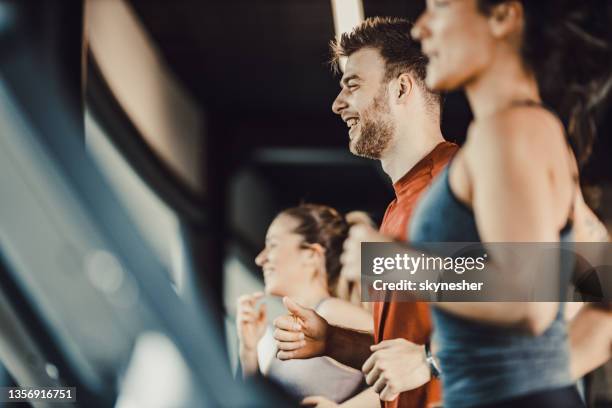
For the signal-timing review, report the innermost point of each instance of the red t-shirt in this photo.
(410, 320)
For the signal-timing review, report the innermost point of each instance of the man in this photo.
(393, 118)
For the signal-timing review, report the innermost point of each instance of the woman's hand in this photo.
(251, 325)
(250, 321)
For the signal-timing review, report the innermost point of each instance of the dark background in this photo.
(259, 70)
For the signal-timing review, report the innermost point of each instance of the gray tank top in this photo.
(483, 364)
(314, 376)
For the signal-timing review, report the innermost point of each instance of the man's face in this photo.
(363, 104)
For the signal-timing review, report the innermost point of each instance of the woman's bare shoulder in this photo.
(527, 134)
(521, 122)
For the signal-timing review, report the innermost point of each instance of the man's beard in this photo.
(376, 130)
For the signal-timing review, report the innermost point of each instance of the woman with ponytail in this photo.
(534, 76)
(301, 260)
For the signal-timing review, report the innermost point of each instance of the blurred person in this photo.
(301, 260)
(393, 118)
(349, 282)
(509, 56)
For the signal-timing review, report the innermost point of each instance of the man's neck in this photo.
(407, 150)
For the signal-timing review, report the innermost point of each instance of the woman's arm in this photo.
(532, 317)
(248, 362)
(590, 335)
(587, 227)
(342, 313)
(251, 326)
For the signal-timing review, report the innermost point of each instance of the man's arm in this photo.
(349, 347)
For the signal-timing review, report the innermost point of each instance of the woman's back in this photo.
(516, 156)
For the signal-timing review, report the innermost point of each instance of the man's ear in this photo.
(506, 19)
(404, 87)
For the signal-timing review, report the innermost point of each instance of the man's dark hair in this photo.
(391, 37)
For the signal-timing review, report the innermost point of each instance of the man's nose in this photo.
(339, 104)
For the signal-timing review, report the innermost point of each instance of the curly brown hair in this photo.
(391, 37)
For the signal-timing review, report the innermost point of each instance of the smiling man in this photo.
(392, 117)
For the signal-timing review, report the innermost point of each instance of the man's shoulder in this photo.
(442, 157)
(396, 221)
(444, 153)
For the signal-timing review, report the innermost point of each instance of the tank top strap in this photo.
(325, 299)
(532, 103)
